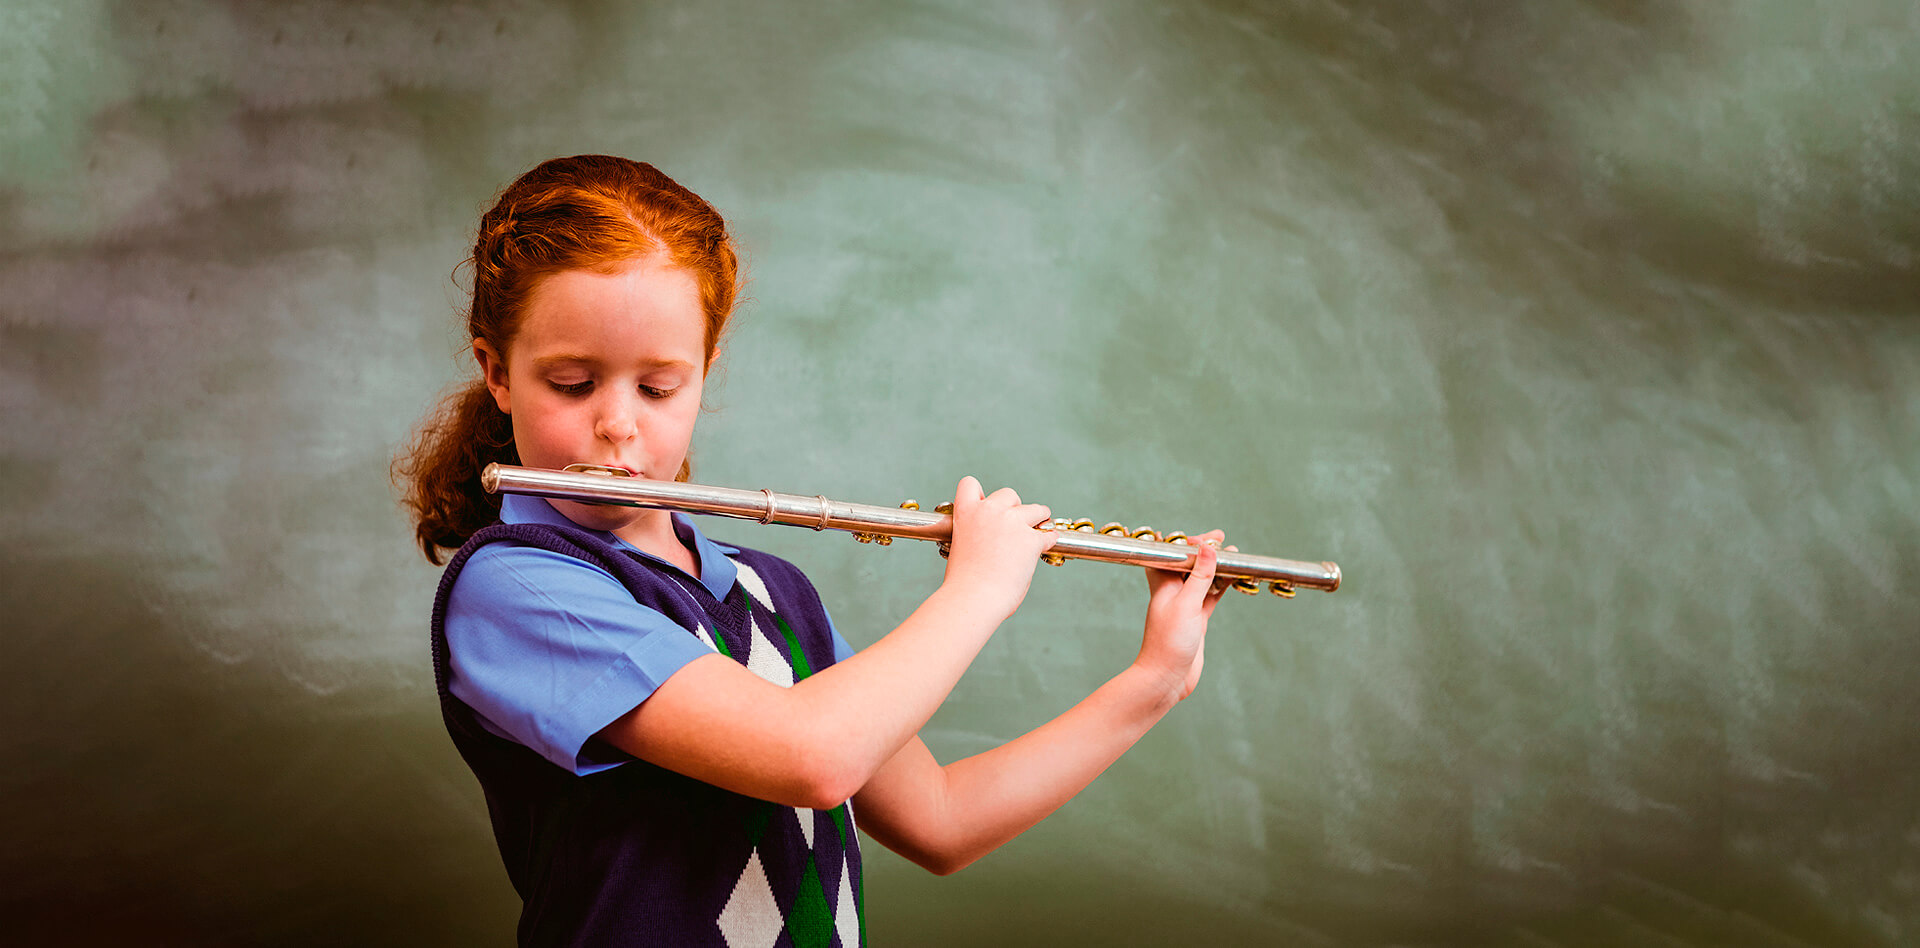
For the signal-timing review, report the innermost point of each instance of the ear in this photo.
(493, 371)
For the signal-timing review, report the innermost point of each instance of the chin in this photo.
(598, 516)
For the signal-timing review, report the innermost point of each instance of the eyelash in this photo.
(581, 388)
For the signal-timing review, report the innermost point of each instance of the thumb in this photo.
(1194, 591)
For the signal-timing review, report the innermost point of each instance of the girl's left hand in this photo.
(1178, 607)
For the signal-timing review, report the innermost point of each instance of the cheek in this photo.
(543, 420)
(688, 414)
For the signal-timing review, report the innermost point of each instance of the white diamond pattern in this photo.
(754, 585)
(846, 916)
(764, 659)
(700, 632)
(751, 918)
(806, 823)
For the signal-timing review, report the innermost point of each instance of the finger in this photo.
(1194, 591)
(1210, 603)
(967, 492)
(1214, 595)
(1005, 495)
(1040, 518)
(1212, 540)
(1157, 578)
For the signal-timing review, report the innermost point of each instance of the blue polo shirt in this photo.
(548, 649)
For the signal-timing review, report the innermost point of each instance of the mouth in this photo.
(604, 470)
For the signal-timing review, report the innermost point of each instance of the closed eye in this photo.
(577, 388)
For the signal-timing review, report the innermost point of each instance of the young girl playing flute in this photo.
(675, 744)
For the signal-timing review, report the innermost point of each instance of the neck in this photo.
(655, 535)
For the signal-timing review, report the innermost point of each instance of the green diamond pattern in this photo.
(798, 658)
(810, 922)
(757, 822)
(840, 821)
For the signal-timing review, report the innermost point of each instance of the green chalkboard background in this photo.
(1584, 335)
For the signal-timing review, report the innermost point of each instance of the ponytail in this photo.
(441, 469)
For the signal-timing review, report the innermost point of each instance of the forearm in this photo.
(819, 742)
(994, 796)
(946, 817)
(864, 709)
(874, 703)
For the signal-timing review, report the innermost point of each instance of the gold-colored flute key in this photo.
(1110, 544)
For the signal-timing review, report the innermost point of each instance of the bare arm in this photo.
(818, 742)
(945, 818)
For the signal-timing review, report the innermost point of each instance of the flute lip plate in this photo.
(600, 469)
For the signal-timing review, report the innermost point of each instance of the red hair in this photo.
(593, 212)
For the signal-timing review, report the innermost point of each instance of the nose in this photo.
(615, 421)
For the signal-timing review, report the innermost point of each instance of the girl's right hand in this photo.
(995, 547)
(1178, 607)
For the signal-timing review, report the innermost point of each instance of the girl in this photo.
(669, 731)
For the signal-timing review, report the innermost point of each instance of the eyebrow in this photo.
(548, 362)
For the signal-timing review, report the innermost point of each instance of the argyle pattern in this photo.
(644, 856)
(823, 908)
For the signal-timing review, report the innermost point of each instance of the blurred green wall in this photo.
(1584, 335)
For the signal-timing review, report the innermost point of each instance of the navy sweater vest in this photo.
(640, 855)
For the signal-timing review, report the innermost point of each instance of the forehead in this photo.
(641, 306)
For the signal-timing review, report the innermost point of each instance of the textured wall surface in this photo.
(1585, 335)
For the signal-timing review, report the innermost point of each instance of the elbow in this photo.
(818, 797)
(806, 793)
(941, 861)
(824, 783)
(944, 865)
(806, 769)
(941, 854)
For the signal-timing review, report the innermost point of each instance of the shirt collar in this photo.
(716, 566)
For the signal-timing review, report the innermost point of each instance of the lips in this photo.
(610, 470)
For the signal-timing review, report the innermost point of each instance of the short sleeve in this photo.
(549, 649)
(841, 650)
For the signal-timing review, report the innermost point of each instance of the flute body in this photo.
(868, 521)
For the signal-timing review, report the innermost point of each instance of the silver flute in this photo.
(1078, 539)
